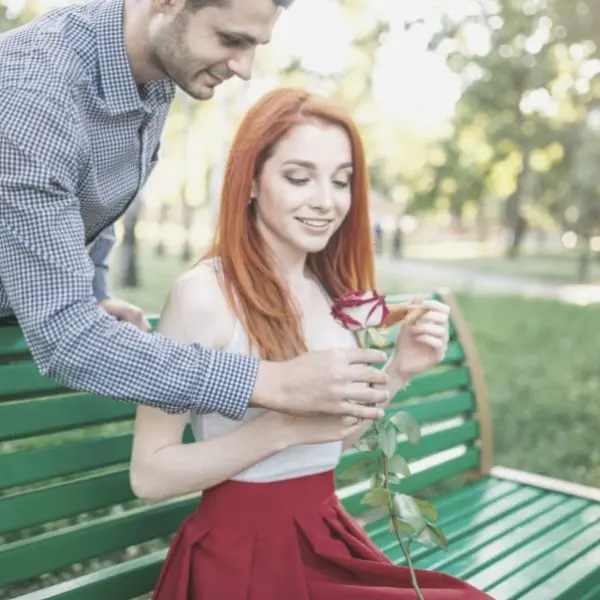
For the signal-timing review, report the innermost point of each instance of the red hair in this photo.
(254, 291)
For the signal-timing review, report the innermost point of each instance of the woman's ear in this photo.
(254, 189)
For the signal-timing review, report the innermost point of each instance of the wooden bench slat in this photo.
(49, 461)
(59, 413)
(49, 552)
(480, 492)
(454, 354)
(580, 579)
(591, 594)
(418, 481)
(540, 537)
(124, 581)
(24, 379)
(472, 522)
(466, 541)
(429, 444)
(470, 516)
(64, 500)
(435, 382)
(556, 556)
(432, 410)
(441, 472)
(12, 341)
(485, 556)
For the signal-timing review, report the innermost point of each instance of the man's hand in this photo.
(123, 311)
(331, 382)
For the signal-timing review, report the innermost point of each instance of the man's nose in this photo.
(242, 64)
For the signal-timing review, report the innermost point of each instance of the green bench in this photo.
(71, 529)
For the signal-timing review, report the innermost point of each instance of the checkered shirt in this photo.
(78, 139)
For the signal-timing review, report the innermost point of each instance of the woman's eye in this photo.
(297, 180)
(341, 184)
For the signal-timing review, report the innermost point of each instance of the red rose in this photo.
(360, 310)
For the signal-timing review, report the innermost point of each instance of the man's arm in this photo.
(48, 277)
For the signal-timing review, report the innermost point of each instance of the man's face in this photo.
(199, 50)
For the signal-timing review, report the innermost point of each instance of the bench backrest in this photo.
(66, 507)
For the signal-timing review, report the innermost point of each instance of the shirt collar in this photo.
(117, 85)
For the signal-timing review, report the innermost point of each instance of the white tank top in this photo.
(295, 461)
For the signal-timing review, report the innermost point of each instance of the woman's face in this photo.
(303, 192)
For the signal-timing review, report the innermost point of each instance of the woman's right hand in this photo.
(313, 430)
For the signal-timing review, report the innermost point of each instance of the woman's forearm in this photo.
(393, 386)
(181, 469)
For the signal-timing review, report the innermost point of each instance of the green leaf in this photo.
(432, 537)
(427, 539)
(442, 539)
(403, 527)
(409, 512)
(392, 478)
(357, 469)
(408, 426)
(398, 465)
(367, 443)
(377, 480)
(427, 509)
(376, 497)
(387, 441)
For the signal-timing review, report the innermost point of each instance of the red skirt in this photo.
(286, 540)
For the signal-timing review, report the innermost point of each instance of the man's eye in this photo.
(232, 42)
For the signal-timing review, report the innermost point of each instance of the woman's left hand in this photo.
(422, 341)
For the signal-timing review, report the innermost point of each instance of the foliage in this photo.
(531, 82)
(410, 518)
(541, 366)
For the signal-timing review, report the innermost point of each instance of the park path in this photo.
(420, 275)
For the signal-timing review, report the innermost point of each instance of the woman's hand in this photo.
(422, 341)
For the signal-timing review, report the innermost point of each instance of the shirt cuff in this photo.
(229, 385)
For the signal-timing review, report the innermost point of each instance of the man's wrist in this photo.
(266, 392)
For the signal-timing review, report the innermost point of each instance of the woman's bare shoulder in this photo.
(196, 309)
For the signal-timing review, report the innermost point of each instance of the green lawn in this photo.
(541, 362)
(542, 368)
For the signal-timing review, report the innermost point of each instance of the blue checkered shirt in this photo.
(78, 139)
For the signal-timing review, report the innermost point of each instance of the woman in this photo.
(293, 234)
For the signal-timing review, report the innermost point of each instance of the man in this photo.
(85, 92)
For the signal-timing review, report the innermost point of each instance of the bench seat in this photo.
(71, 529)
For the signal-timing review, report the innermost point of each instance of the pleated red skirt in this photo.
(286, 540)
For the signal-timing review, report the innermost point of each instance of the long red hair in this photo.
(255, 293)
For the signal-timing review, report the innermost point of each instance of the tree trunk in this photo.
(514, 218)
(129, 262)
(188, 213)
(159, 248)
(585, 259)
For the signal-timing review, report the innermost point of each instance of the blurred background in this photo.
(481, 120)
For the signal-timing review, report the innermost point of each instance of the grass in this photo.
(541, 364)
(540, 359)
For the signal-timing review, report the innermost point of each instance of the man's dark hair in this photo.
(194, 5)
